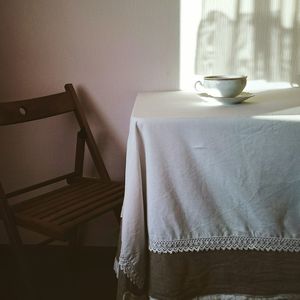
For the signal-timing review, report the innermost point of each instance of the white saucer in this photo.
(238, 99)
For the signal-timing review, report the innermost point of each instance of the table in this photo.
(212, 198)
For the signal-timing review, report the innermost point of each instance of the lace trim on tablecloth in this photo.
(128, 267)
(226, 243)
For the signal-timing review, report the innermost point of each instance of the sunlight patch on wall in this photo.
(260, 39)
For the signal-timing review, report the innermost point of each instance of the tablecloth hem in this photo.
(225, 243)
(129, 269)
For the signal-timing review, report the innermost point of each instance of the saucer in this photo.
(235, 100)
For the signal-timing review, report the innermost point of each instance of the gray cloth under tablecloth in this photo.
(184, 276)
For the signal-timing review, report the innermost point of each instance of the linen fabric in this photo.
(205, 176)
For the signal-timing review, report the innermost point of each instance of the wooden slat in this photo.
(71, 195)
(58, 202)
(50, 230)
(90, 215)
(57, 198)
(78, 199)
(96, 199)
(38, 185)
(34, 109)
(60, 231)
(33, 202)
(84, 210)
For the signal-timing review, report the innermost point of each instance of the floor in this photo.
(61, 276)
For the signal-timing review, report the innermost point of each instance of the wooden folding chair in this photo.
(58, 214)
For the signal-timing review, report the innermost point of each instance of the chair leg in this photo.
(75, 242)
(24, 271)
(75, 239)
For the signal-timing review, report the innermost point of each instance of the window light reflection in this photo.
(286, 118)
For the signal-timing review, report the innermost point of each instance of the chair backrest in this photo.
(48, 106)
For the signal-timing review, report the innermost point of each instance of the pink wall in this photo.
(109, 50)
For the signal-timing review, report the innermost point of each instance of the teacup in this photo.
(228, 86)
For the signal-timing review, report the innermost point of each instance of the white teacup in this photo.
(228, 86)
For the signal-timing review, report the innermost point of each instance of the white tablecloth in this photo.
(206, 176)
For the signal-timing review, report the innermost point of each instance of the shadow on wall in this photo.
(260, 39)
(36, 151)
(110, 148)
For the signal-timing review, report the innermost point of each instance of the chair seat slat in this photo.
(91, 214)
(42, 199)
(58, 225)
(47, 229)
(77, 200)
(96, 200)
(70, 194)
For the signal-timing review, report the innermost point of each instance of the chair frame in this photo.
(40, 108)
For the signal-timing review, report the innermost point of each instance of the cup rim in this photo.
(225, 77)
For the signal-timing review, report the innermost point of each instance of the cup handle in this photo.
(201, 84)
